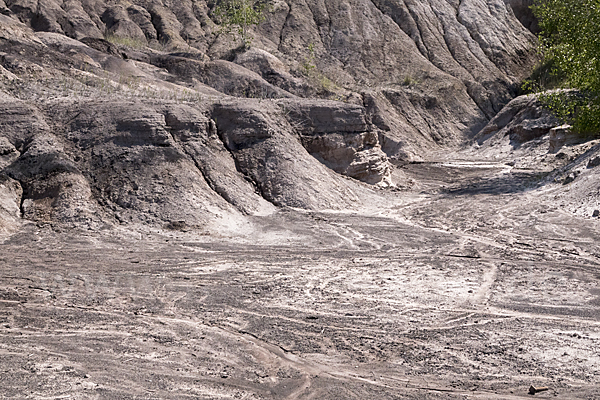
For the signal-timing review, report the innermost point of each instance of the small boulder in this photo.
(371, 166)
(594, 162)
(570, 178)
(558, 137)
(523, 119)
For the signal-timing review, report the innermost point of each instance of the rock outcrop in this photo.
(522, 120)
(339, 135)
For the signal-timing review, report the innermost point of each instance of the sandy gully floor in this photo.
(472, 285)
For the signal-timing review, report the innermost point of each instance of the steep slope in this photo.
(462, 58)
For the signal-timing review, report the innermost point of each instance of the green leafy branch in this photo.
(239, 15)
(570, 44)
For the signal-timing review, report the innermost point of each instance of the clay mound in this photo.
(108, 166)
(136, 161)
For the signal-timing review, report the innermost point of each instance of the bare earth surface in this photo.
(474, 284)
(163, 197)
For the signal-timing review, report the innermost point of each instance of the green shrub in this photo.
(239, 15)
(570, 44)
(308, 66)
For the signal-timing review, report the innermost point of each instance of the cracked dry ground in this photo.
(476, 290)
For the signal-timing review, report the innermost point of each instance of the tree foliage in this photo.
(238, 15)
(570, 42)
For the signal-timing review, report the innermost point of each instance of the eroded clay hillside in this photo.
(145, 111)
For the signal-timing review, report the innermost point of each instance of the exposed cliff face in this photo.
(169, 110)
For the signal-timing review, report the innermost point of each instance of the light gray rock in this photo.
(54, 189)
(10, 204)
(462, 59)
(372, 166)
(168, 27)
(50, 17)
(339, 135)
(224, 76)
(272, 69)
(143, 19)
(199, 139)
(136, 168)
(20, 122)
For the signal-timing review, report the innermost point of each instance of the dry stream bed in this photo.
(472, 285)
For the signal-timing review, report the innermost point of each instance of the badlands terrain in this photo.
(360, 204)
